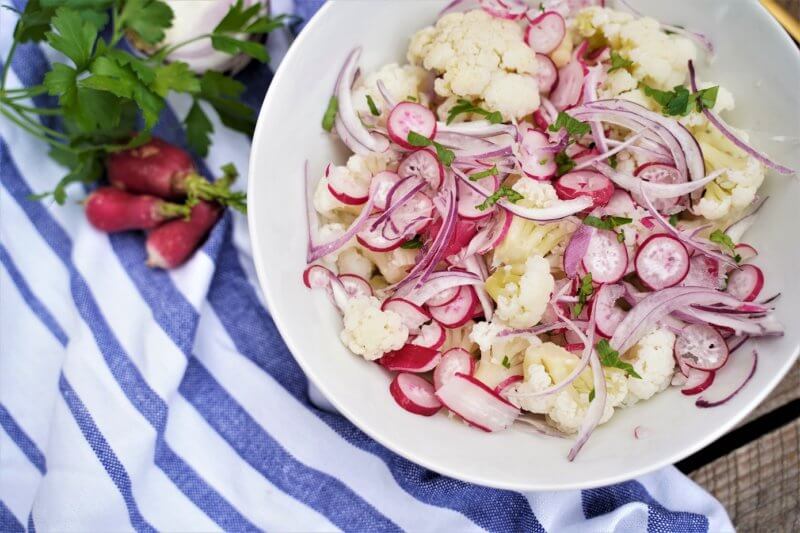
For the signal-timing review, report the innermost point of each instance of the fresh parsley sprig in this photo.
(608, 222)
(584, 292)
(679, 102)
(329, 117)
(726, 243)
(372, 107)
(412, 244)
(484, 174)
(610, 357)
(445, 155)
(503, 192)
(619, 62)
(575, 128)
(465, 106)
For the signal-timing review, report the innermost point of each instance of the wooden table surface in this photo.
(755, 469)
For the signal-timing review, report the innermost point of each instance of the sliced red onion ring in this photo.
(437, 283)
(655, 190)
(701, 402)
(590, 95)
(534, 331)
(596, 408)
(605, 153)
(576, 249)
(476, 128)
(347, 113)
(387, 96)
(475, 265)
(737, 230)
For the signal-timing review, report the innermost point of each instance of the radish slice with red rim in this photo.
(546, 77)
(345, 188)
(443, 298)
(407, 117)
(546, 32)
(606, 258)
(356, 285)
(414, 394)
(606, 313)
(317, 276)
(659, 173)
(568, 89)
(704, 271)
(411, 358)
(431, 335)
(745, 283)
(382, 183)
(424, 164)
(697, 381)
(585, 183)
(459, 311)
(491, 235)
(454, 361)
(620, 204)
(413, 316)
(468, 200)
(507, 383)
(536, 162)
(374, 239)
(701, 347)
(662, 261)
(745, 252)
(477, 404)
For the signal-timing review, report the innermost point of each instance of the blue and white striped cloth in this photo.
(136, 399)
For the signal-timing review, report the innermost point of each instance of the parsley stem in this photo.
(33, 131)
(35, 124)
(37, 110)
(22, 92)
(160, 54)
(7, 64)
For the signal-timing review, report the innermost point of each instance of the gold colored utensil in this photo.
(784, 18)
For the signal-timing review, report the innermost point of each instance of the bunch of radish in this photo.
(156, 188)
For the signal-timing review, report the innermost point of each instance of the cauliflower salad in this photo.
(542, 217)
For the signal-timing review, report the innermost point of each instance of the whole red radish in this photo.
(111, 210)
(156, 168)
(172, 243)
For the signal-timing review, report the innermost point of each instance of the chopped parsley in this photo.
(564, 163)
(503, 192)
(679, 102)
(610, 357)
(484, 174)
(619, 62)
(608, 222)
(574, 127)
(612, 161)
(410, 98)
(330, 114)
(673, 220)
(465, 106)
(412, 244)
(372, 107)
(445, 155)
(725, 242)
(620, 237)
(591, 396)
(584, 292)
(506, 363)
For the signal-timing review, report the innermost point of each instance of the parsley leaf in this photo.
(706, 98)
(680, 102)
(330, 114)
(673, 220)
(465, 106)
(72, 36)
(233, 46)
(175, 77)
(412, 244)
(584, 292)
(506, 363)
(146, 18)
(484, 174)
(591, 396)
(564, 163)
(198, 129)
(33, 22)
(503, 192)
(612, 161)
(610, 357)
(574, 127)
(222, 93)
(619, 62)
(725, 242)
(372, 107)
(239, 19)
(608, 222)
(445, 155)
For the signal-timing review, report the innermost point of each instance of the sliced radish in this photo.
(546, 77)
(569, 88)
(701, 347)
(745, 283)
(468, 200)
(443, 298)
(606, 258)
(662, 261)
(659, 173)
(536, 163)
(607, 315)
(458, 312)
(454, 361)
(476, 403)
(426, 165)
(348, 190)
(414, 394)
(698, 381)
(317, 276)
(620, 204)
(356, 285)
(431, 335)
(382, 183)
(574, 347)
(704, 271)
(407, 117)
(745, 252)
(373, 239)
(585, 183)
(546, 32)
(491, 235)
(504, 385)
(411, 358)
(463, 234)
(413, 315)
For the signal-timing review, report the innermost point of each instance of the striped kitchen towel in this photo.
(138, 399)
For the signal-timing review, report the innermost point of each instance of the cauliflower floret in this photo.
(652, 359)
(328, 233)
(400, 81)
(548, 364)
(459, 338)
(505, 351)
(522, 297)
(479, 58)
(352, 261)
(393, 265)
(370, 332)
(658, 59)
(563, 53)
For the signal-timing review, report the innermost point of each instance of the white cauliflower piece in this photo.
(326, 203)
(352, 261)
(563, 52)
(393, 265)
(400, 82)
(479, 58)
(659, 59)
(653, 360)
(507, 351)
(522, 297)
(459, 338)
(330, 232)
(370, 332)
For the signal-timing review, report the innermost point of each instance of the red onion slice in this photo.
(477, 404)
(596, 408)
(348, 118)
(474, 265)
(437, 283)
(702, 402)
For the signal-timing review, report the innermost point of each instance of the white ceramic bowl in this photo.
(755, 60)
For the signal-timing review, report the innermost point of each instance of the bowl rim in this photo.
(320, 383)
